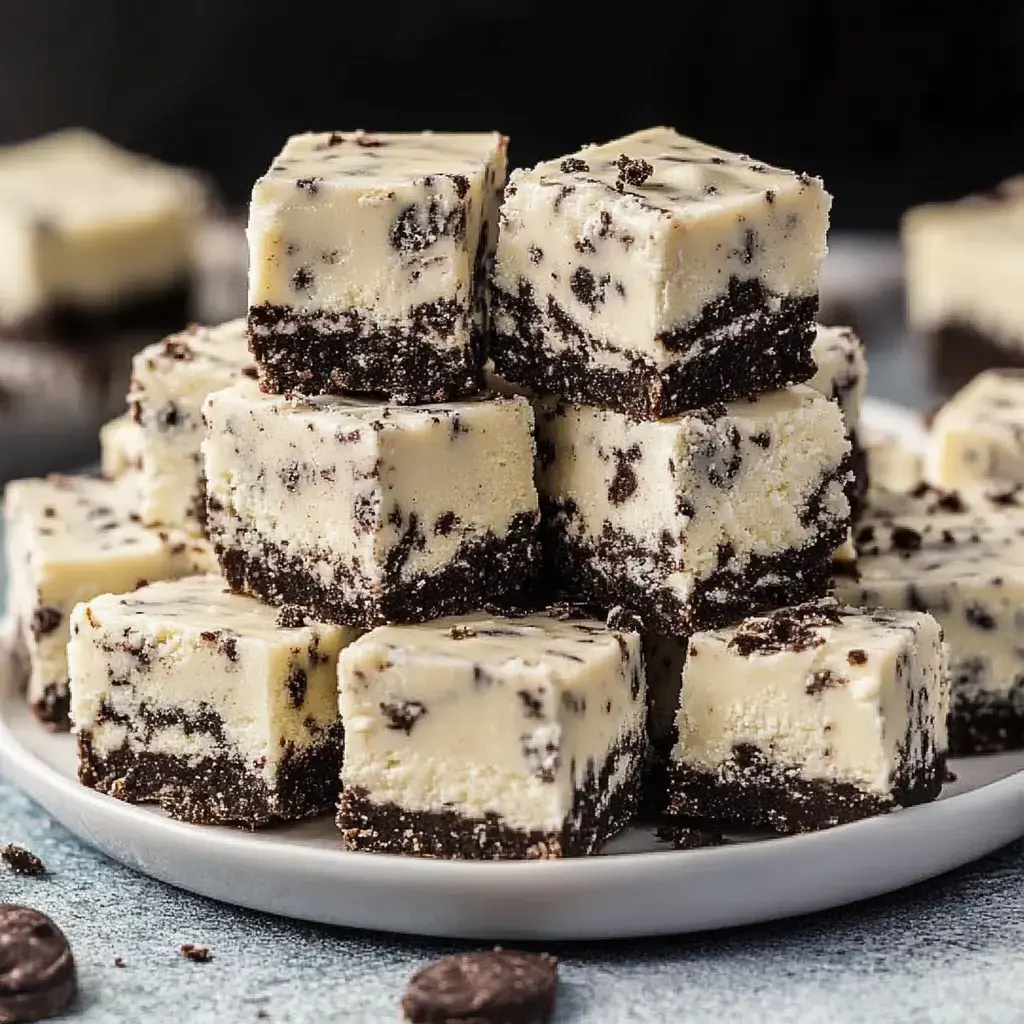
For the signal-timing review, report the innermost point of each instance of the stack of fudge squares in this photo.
(509, 508)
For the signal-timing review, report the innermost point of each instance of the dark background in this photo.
(889, 105)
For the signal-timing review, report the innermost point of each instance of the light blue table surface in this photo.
(947, 951)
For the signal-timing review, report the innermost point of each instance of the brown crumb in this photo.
(118, 962)
(22, 861)
(197, 954)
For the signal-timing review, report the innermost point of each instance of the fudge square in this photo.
(368, 263)
(491, 738)
(69, 539)
(94, 237)
(362, 513)
(966, 569)
(216, 707)
(696, 520)
(169, 382)
(810, 717)
(978, 434)
(654, 274)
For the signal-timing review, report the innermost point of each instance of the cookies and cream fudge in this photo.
(699, 519)
(653, 274)
(843, 376)
(489, 737)
(170, 380)
(978, 434)
(810, 717)
(69, 539)
(368, 263)
(217, 707)
(891, 464)
(967, 569)
(93, 236)
(961, 265)
(121, 446)
(363, 513)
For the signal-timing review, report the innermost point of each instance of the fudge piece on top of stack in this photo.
(491, 738)
(215, 706)
(654, 274)
(696, 520)
(363, 513)
(369, 257)
(170, 380)
(810, 717)
(69, 539)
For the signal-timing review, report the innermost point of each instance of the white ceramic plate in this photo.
(641, 887)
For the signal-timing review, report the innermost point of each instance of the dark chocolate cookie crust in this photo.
(356, 353)
(160, 312)
(388, 828)
(593, 574)
(986, 723)
(53, 708)
(218, 790)
(959, 351)
(771, 350)
(487, 570)
(748, 791)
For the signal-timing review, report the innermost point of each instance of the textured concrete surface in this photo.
(948, 951)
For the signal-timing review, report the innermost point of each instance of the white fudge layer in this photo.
(891, 465)
(343, 481)
(69, 539)
(482, 715)
(968, 571)
(842, 371)
(682, 490)
(170, 380)
(631, 264)
(978, 434)
(121, 447)
(843, 696)
(381, 224)
(85, 223)
(188, 650)
(962, 263)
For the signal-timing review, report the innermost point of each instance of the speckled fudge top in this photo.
(554, 639)
(77, 517)
(204, 353)
(383, 159)
(668, 172)
(925, 499)
(203, 605)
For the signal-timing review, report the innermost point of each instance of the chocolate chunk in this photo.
(532, 704)
(587, 288)
(229, 647)
(905, 539)
(37, 970)
(632, 172)
(857, 657)
(403, 715)
(461, 633)
(789, 629)
(573, 165)
(297, 683)
(536, 254)
(979, 617)
(22, 861)
(309, 185)
(821, 681)
(197, 954)
(290, 617)
(446, 522)
(487, 987)
(45, 619)
(302, 279)
(624, 482)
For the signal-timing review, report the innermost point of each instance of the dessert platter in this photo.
(526, 564)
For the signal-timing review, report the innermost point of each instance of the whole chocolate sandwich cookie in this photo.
(37, 971)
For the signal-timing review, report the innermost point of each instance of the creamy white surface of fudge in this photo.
(86, 225)
(368, 259)
(364, 513)
(170, 380)
(842, 373)
(655, 273)
(811, 716)
(206, 702)
(69, 539)
(491, 737)
(121, 447)
(695, 520)
(979, 433)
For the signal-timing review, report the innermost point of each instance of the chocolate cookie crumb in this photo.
(37, 971)
(632, 172)
(197, 954)
(489, 987)
(118, 962)
(22, 861)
